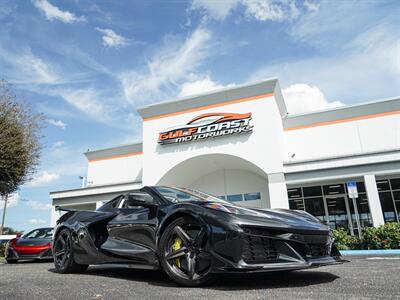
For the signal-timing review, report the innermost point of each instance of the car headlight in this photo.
(233, 209)
(217, 206)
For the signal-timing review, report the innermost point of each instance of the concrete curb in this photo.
(370, 252)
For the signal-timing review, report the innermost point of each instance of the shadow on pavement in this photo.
(30, 261)
(226, 282)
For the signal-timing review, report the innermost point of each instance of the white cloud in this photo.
(12, 200)
(311, 6)
(37, 205)
(303, 98)
(26, 68)
(85, 100)
(101, 107)
(218, 10)
(168, 68)
(37, 66)
(57, 147)
(57, 123)
(52, 12)
(270, 10)
(43, 179)
(36, 221)
(259, 10)
(200, 86)
(367, 67)
(112, 39)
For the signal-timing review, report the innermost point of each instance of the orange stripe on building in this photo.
(209, 106)
(116, 156)
(389, 113)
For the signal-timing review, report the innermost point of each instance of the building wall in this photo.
(262, 147)
(344, 138)
(115, 170)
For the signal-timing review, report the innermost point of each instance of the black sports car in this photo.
(191, 236)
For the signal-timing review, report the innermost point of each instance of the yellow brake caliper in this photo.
(176, 245)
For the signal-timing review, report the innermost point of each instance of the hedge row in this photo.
(2, 249)
(383, 237)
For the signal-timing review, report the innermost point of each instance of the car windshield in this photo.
(41, 233)
(183, 194)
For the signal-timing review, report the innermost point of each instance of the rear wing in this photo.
(59, 208)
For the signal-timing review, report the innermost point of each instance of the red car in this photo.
(36, 244)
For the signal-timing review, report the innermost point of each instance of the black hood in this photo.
(278, 218)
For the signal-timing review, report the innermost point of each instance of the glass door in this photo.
(339, 213)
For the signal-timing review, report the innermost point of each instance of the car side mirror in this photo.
(19, 234)
(140, 200)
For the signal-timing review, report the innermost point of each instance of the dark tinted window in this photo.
(315, 206)
(41, 233)
(395, 183)
(183, 194)
(296, 204)
(312, 191)
(387, 206)
(295, 193)
(333, 189)
(383, 185)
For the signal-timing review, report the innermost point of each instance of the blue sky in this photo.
(88, 65)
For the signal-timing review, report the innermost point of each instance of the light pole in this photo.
(5, 198)
(83, 181)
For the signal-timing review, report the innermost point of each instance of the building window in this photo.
(235, 198)
(242, 197)
(389, 195)
(332, 205)
(252, 196)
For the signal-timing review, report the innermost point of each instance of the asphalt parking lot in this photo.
(375, 277)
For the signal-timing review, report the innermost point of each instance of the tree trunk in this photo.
(5, 198)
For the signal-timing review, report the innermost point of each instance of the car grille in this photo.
(311, 250)
(258, 249)
(316, 250)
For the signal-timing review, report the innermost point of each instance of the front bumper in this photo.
(263, 250)
(17, 254)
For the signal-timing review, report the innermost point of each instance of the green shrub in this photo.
(345, 241)
(383, 237)
(2, 249)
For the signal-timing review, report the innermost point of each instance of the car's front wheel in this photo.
(183, 253)
(11, 261)
(64, 254)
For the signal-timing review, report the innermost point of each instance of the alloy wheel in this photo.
(184, 252)
(62, 250)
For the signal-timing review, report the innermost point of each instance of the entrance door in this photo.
(339, 212)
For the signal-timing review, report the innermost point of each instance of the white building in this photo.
(241, 144)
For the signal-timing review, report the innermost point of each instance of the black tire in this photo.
(194, 260)
(11, 261)
(64, 256)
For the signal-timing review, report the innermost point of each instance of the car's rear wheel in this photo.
(183, 253)
(11, 261)
(64, 254)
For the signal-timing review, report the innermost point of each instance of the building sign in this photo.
(207, 126)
